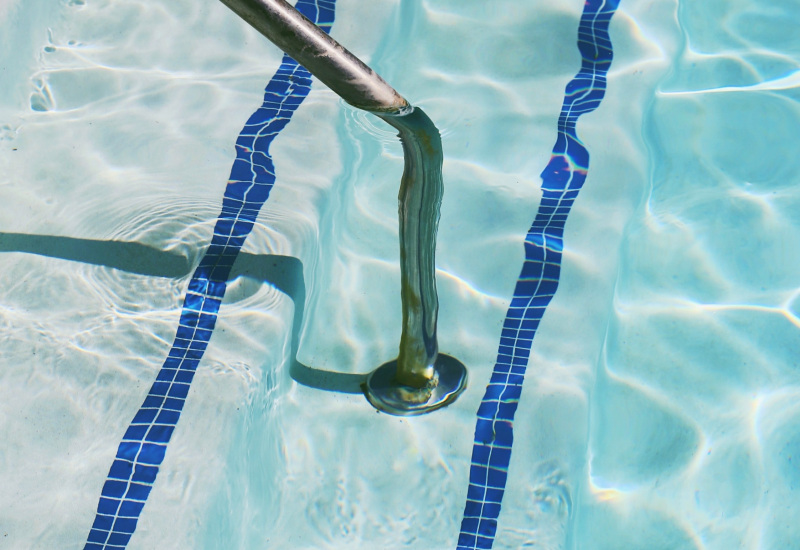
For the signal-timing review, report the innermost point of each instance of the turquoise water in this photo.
(660, 404)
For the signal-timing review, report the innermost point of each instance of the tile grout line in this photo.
(141, 452)
(562, 180)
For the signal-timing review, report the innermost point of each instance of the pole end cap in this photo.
(389, 396)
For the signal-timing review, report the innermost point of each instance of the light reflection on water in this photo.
(665, 368)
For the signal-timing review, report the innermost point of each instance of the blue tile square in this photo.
(125, 525)
(503, 364)
(494, 495)
(511, 393)
(159, 388)
(240, 172)
(121, 469)
(488, 527)
(497, 478)
(131, 509)
(243, 227)
(119, 539)
(508, 336)
(145, 474)
(166, 375)
(193, 301)
(473, 508)
(224, 227)
(177, 353)
(207, 321)
(199, 345)
(98, 536)
(219, 273)
(160, 434)
(466, 541)
(151, 454)
(181, 343)
(223, 261)
(500, 457)
(189, 318)
(493, 391)
(469, 525)
(488, 410)
(505, 350)
(103, 523)
(534, 313)
(114, 489)
(551, 271)
(173, 404)
(477, 474)
(189, 364)
(484, 432)
(152, 402)
(137, 491)
(192, 355)
(144, 416)
(503, 433)
(550, 201)
(107, 506)
(179, 391)
(184, 333)
(475, 492)
(135, 432)
(515, 313)
(523, 293)
(521, 357)
(506, 410)
(511, 324)
(547, 287)
(215, 250)
(171, 363)
(217, 288)
(491, 510)
(265, 175)
(127, 450)
(168, 417)
(184, 376)
(481, 454)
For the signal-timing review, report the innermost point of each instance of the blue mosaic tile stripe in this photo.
(134, 470)
(562, 179)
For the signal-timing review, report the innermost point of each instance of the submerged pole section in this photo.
(421, 379)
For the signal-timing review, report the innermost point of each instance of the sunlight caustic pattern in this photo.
(562, 180)
(144, 444)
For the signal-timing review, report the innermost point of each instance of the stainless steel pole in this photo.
(325, 58)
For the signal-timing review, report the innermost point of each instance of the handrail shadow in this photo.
(285, 273)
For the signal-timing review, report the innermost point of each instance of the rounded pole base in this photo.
(387, 395)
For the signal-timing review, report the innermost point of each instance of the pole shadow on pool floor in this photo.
(285, 273)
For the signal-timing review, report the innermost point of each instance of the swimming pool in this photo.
(659, 407)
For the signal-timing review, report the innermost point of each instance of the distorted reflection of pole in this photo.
(420, 379)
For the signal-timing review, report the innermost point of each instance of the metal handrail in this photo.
(420, 379)
(325, 58)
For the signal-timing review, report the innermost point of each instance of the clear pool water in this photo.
(660, 407)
